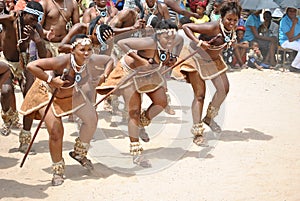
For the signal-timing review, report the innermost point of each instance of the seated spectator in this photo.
(177, 10)
(268, 45)
(289, 35)
(268, 28)
(240, 48)
(200, 10)
(255, 57)
(193, 4)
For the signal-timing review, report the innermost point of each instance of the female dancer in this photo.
(147, 56)
(214, 37)
(76, 95)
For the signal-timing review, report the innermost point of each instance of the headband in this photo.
(34, 12)
(82, 41)
(169, 31)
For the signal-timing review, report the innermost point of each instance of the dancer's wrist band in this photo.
(129, 51)
(199, 43)
(49, 79)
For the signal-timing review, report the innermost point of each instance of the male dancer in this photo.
(18, 30)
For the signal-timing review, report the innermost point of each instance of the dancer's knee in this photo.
(55, 134)
(7, 89)
(223, 90)
(90, 123)
(199, 97)
(134, 113)
(162, 103)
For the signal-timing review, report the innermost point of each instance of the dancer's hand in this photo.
(205, 45)
(32, 33)
(140, 23)
(57, 82)
(50, 34)
(171, 61)
(13, 15)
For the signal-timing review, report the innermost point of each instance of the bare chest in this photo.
(55, 14)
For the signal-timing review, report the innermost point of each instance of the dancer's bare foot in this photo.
(144, 135)
(169, 110)
(212, 124)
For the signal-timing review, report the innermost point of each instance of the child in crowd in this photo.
(215, 13)
(240, 48)
(193, 4)
(255, 57)
(200, 10)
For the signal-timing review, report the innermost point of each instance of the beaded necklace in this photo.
(229, 36)
(229, 39)
(151, 10)
(74, 65)
(102, 11)
(162, 52)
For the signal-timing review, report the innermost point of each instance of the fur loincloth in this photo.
(15, 67)
(39, 96)
(52, 47)
(112, 80)
(208, 69)
(143, 82)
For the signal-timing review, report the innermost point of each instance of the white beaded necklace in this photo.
(152, 9)
(75, 66)
(224, 31)
(230, 38)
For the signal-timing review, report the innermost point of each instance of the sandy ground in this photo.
(256, 157)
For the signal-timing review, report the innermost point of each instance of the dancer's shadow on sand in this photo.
(9, 162)
(22, 190)
(211, 140)
(73, 172)
(162, 157)
(43, 147)
(246, 135)
(100, 171)
(109, 133)
(181, 148)
(115, 120)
